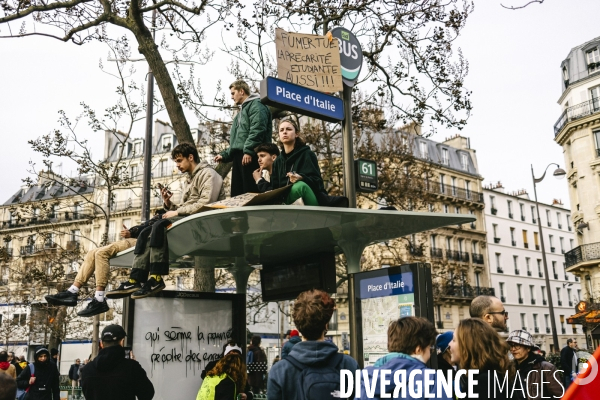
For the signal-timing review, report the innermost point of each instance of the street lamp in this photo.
(559, 173)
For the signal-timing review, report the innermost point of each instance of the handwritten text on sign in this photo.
(308, 60)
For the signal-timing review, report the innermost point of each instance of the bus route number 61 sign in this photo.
(366, 175)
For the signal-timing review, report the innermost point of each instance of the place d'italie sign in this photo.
(311, 61)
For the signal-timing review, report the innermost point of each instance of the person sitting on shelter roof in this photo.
(96, 263)
(299, 194)
(203, 186)
(298, 163)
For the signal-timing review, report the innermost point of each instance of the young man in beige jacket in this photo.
(203, 186)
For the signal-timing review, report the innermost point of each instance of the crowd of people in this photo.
(310, 366)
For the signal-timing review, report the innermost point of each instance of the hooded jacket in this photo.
(8, 369)
(203, 186)
(46, 375)
(112, 376)
(535, 372)
(251, 126)
(395, 362)
(287, 347)
(283, 375)
(303, 161)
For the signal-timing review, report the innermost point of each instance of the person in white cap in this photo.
(537, 375)
(227, 379)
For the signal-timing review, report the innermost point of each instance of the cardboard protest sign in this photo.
(311, 61)
(249, 199)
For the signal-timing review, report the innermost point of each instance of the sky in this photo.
(514, 59)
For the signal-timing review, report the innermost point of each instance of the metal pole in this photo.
(548, 289)
(148, 139)
(348, 148)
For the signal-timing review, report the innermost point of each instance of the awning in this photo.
(593, 317)
(577, 318)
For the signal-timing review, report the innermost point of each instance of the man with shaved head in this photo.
(491, 310)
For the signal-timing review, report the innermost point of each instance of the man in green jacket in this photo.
(251, 126)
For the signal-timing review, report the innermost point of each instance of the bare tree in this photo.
(80, 21)
(522, 6)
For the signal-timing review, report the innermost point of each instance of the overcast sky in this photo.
(514, 75)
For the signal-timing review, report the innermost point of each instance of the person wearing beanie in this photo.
(42, 383)
(287, 347)
(442, 344)
(6, 367)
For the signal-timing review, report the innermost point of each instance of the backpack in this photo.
(22, 394)
(249, 357)
(318, 381)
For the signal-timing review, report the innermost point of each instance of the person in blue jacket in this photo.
(287, 347)
(409, 343)
(289, 379)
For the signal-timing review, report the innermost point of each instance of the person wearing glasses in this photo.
(536, 374)
(491, 310)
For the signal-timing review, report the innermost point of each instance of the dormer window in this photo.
(167, 143)
(137, 148)
(445, 157)
(423, 149)
(593, 58)
(464, 161)
(565, 72)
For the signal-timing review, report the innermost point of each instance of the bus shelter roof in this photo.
(275, 233)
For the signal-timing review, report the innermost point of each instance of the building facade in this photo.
(516, 264)
(577, 131)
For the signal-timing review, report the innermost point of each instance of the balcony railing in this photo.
(533, 301)
(452, 255)
(517, 272)
(520, 300)
(560, 302)
(523, 218)
(436, 253)
(514, 243)
(494, 211)
(547, 330)
(545, 302)
(477, 258)
(453, 191)
(528, 273)
(416, 251)
(552, 249)
(462, 291)
(510, 215)
(555, 276)
(536, 329)
(585, 252)
(500, 270)
(46, 219)
(541, 274)
(576, 112)
(496, 240)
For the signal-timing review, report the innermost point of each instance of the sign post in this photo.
(351, 59)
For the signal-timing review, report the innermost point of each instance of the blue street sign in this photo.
(387, 285)
(288, 96)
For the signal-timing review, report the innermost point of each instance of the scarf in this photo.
(4, 365)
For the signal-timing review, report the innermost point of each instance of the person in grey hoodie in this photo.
(311, 314)
(251, 127)
(409, 342)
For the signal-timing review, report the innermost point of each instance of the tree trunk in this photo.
(95, 336)
(204, 274)
(149, 49)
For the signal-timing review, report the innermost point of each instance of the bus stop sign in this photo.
(366, 175)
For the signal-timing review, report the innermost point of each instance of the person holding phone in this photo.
(96, 263)
(151, 261)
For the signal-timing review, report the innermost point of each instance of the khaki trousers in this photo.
(96, 261)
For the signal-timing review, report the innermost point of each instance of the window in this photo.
(523, 321)
(477, 279)
(468, 189)
(498, 260)
(137, 148)
(544, 294)
(442, 183)
(554, 269)
(501, 289)
(516, 264)
(19, 319)
(457, 210)
(509, 204)
(167, 143)
(536, 240)
(133, 172)
(535, 322)
(533, 214)
(522, 210)
(569, 298)
(539, 264)
(493, 201)
(75, 235)
(569, 222)
(445, 157)
(558, 298)
(562, 244)
(528, 265)
(565, 72)
(532, 292)
(512, 236)
(558, 220)
(495, 230)
(578, 294)
(431, 207)
(597, 140)
(547, 322)
(525, 241)
(548, 218)
(446, 208)
(448, 243)
(464, 161)
(432, 241)
(519, 292)
(162, 168)
(453, 186)
(593, 56)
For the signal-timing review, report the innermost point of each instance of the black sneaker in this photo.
(151, 287)
(94, 307)
(124, 290)
(65, 298)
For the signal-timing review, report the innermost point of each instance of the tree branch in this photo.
(45, 7)
(523, 6)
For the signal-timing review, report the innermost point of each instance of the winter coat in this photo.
(303, 161)
(283, 375)
(112, 376)
(566, 360)
(287, 347)
(258, 368)
(203, 186)
(395, 362)
(533, 371)
(8, 369)
(74, 372)
(251, 126)
(45, 386)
